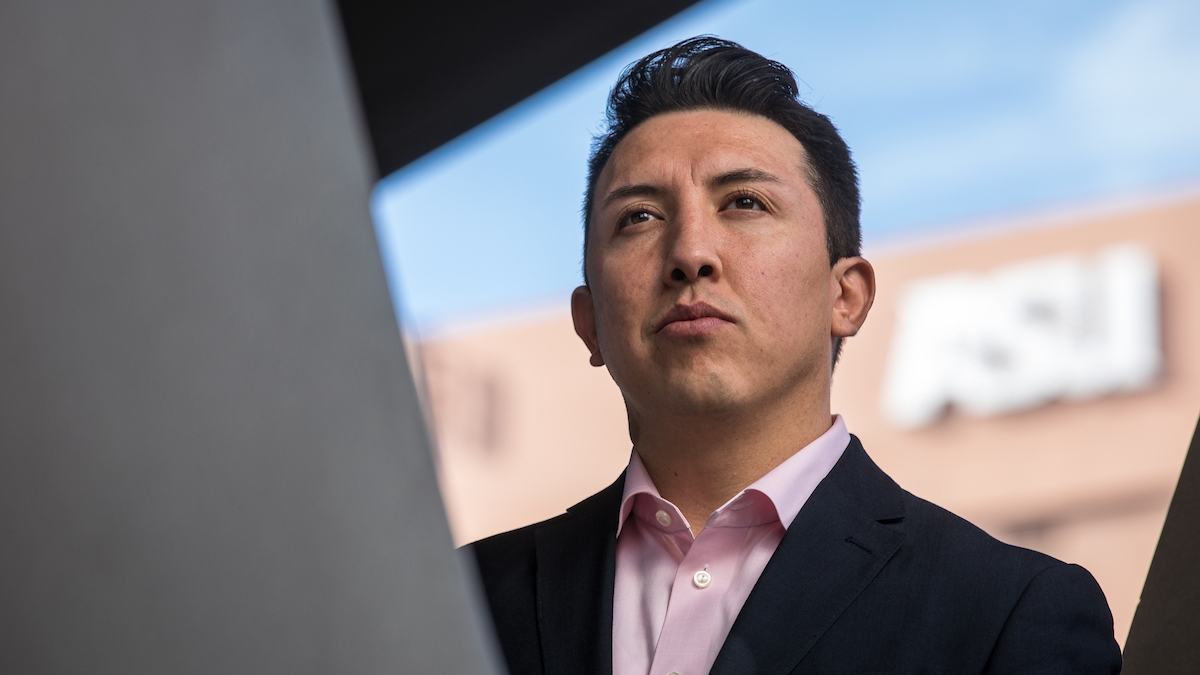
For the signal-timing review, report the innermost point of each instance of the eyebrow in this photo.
(720, 180)
(743, 176)
(639, 190)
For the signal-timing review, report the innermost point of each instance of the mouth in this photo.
(692, 320)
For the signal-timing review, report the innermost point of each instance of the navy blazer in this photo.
(867, 579)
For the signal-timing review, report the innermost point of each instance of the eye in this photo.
(634, 217)
(746, 203)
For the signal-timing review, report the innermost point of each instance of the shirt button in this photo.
(702, 579)
(673, 672)
(663, 518)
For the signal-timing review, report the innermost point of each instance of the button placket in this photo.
(681, 640)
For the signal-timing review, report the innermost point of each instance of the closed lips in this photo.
(700, 310)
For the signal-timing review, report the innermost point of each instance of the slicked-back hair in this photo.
(708, 73)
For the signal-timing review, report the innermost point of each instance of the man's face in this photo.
(710, 283)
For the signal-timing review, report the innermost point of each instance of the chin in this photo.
(709, 394)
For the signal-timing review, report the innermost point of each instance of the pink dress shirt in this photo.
(676, 595)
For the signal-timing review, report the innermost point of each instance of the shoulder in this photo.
(509, 553)
(958, 555)
(1060, 623)
(969, 596)
(508, 562)
(934, 540)
(945, 538)
(513, 565)
(511, 545)
(1045, 615)
(507, 566)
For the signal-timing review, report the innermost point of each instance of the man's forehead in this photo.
(702, 146)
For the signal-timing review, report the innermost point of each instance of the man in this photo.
(751, 533)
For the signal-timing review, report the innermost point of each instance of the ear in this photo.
(853, 287)
(583, 313)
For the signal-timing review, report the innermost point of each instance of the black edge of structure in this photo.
(1165, 636)
(427, 72)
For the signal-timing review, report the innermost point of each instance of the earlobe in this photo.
(583, 314)
(854, 292)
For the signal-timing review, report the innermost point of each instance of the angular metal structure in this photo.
(1165, 636)
(211, 454)
(428, 71)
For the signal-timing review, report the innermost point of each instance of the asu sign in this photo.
(1067, 327)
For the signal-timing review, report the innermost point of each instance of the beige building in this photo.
(525, 427)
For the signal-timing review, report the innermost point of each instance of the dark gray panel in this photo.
(473, 59)
(211, 456)
(1165, 636)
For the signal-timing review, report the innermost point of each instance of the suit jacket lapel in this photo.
(832, 550)
(576, 571)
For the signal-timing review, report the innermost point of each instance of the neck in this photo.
(700, 461)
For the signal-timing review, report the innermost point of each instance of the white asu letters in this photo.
(1064, 327)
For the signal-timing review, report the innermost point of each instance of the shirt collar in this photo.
(637, 481)
(787, 487)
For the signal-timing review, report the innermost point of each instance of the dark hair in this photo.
(708, 72)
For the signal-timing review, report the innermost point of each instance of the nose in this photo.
(679, 275)
(692, 250)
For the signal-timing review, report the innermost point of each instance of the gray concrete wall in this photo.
(211, 455)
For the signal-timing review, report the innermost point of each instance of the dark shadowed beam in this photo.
(429, 71)
(1165, 636)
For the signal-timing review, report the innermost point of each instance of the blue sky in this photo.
(955, 112)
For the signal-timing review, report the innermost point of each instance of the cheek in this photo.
(792, 295)
(626, 280)
(619, 314)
